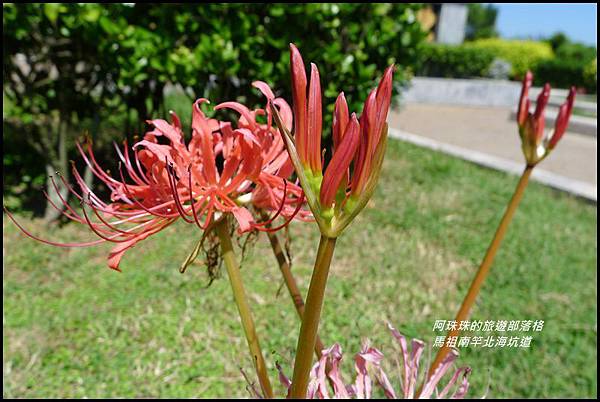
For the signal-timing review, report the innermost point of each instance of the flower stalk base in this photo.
(312, 315)
(239, 294)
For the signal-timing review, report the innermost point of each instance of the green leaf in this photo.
(51, 10)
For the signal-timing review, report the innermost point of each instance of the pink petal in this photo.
(244, 218)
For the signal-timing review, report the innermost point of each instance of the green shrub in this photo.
(590, 76)
(454, 61)
(576, 51)
(563, 73)
(523, 55)
(481, 21)
(573, 64)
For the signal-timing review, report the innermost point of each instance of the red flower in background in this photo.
(536, 145)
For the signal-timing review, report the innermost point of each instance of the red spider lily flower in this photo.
(202, 187)
(135, 212)
(175, 180)
(270, 184)
(337, 195)
(326, 379)
(536, 146)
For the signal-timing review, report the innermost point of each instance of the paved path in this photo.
(491, 131)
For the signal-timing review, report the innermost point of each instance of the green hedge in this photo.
(563, 73)
(590, 75)
(473, 59)
(523, 55)
(454, 61)
(574, 64)
(570, 64)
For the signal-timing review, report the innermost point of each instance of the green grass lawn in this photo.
(74, 328)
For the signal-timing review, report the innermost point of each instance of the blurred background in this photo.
(102, 70)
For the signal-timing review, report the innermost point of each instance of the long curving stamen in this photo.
(31, 235)
(97, 231)
(83, 186)
(137, 202)
(173, 187)
(76, 217)
(288, 220)
(111, 225)
(96, 169)
(128, 165)
(62, 211)
(268, 221)
(192, 198)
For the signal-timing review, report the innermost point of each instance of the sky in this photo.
(520, 20)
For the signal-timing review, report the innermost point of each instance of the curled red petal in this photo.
(285, 111)
(244, 218)
(264, 88)
(242, 110)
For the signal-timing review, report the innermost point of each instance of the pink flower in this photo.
(326, 380)
(336, 195)
(536, 146)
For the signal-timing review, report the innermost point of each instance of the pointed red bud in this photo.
(340, 119)
(562, 120)
(538, 116)
(299, 84)
(340, 162)
(542, 101)
(384, 98)
(367, 146)
(524, 100)
(315, 120)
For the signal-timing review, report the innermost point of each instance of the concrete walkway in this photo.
(490, 133)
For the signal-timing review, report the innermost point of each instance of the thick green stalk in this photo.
(312, 314)
(235, 278)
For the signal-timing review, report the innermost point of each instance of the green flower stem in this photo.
(235, 278)
(290, 283)
(484, 268)
(312, 314)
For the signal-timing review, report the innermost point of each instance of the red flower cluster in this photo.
(223, 169)
(536, 146)
(337, 195)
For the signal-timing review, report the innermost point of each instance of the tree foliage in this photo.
(481, 21)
